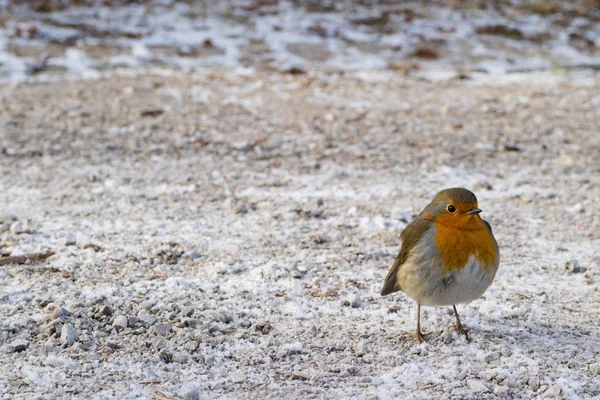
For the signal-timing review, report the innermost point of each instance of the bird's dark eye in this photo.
(451, 208)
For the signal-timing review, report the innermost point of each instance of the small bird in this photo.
(448, 255)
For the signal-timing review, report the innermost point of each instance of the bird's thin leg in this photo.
(418, 334)
(459, 326)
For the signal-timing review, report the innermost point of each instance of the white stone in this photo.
(477, 386)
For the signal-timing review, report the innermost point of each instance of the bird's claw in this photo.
(419, 336)
(462, 330)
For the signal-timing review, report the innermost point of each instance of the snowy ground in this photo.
(418, 37)
(229, 232)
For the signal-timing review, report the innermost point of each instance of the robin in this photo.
(448, 255)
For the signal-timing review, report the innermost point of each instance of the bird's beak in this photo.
(473, 211)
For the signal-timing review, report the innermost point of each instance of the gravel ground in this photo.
(226, 234)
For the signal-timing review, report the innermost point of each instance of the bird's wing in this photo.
(487, 225)
(409, 236)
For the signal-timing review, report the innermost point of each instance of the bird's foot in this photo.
(462, 330)
(419, 336)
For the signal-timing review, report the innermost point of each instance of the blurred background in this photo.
(451, 38)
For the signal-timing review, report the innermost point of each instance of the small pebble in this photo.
(194, 254)
(477, 386)
(573, 267)
(19, 227)
(237, 379)
(322, 238)
(50, 345)
(166, 356)
(222, 316)
(120, 322)
(553, 391)
(52, 327)
(187, 311)
(576, 209)
(54, 311)
(162, 329)
(292, 348)
(500, 390)
(510, 383)
(180, 358)
(492, 357)
(105, 310)
(448, 338)
(295, 273)
(6, 217)
(192, 394)
(146, 317)
(534, 383)
(99, 334)
(68, 335)
(70, 240)
(506, 352)
(17, 345)
(360, 349)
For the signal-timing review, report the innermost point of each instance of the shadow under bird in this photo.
(448, 256)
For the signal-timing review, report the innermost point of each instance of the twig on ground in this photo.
(257, 385)
(293, 375)
(94, 247)
(161, 395)
(33, 257)
(427, 386)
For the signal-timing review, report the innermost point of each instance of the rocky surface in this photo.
(453, 38)
(225, 235)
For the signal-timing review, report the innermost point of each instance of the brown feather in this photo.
(409, 236)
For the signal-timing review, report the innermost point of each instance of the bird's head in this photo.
(455, 207)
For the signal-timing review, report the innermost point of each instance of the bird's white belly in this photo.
(426, 285)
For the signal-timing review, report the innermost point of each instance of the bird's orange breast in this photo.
(458, 241)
